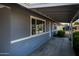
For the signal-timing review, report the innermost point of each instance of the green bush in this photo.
(76, 42)
(76, 39)
(75, 33)
(61, 33)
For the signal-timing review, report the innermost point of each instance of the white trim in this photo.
(36, 18)
(25, 38)
(45, 26)
(30, 26)
(35, 24)
(2, 6)
(31, 36)
(39, 5)
(50, 30)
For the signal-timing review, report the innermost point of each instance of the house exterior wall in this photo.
(5, 34)
(20, 21)
(26, 47)
(20, 30)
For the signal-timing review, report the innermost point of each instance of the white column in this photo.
(50, 31)
(71, 33)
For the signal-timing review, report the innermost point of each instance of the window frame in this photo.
(36, 18)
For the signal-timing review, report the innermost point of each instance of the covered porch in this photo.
(30, 31)
(57, 46)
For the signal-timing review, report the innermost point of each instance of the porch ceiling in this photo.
(63, 13)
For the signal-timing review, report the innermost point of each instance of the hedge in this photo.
(61, 33)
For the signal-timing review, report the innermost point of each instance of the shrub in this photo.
(75, 33)
(61, 33)
(76, 42)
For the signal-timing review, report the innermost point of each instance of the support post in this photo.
(71, 29)
(71, 33)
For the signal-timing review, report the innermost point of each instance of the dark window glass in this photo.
(38, 26)
(33, 27)
(43, 26)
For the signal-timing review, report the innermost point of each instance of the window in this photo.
(55, 27)
(38, 25)
(33, 27)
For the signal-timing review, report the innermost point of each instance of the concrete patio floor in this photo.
(55, 47)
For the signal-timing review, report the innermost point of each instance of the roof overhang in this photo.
(60, 12)
(41, 5)
(64, 13)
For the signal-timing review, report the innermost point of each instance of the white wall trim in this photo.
(36, 18)
(39, 5)
(50, 30)
(25, 38)
(31, 36)
(2, 6)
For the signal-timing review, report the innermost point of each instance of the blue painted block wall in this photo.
(26, 47)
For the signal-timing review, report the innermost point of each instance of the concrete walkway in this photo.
(55, 47)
